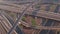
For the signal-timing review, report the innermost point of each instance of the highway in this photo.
(6, 24)
(10, 19)
(18, 2)
(18, 9)
(2, 29)
(27, 25)
(39, 27)
(43, 14)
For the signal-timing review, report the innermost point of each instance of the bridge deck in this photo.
(18, 9)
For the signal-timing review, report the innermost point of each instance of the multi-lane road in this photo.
(11, 6)
(6, 24)
(19, 8)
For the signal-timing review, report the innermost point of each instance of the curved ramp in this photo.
(19, 8)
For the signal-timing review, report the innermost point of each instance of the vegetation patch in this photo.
(23, 18)
(33, 22)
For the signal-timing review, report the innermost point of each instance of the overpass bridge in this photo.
(19, 8)
(6, 25)
(28, 25)
(11, 6)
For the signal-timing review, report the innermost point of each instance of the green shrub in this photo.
(23, 18)
(33, 22)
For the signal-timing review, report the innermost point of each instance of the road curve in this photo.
(37, 27)
(18, 9)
